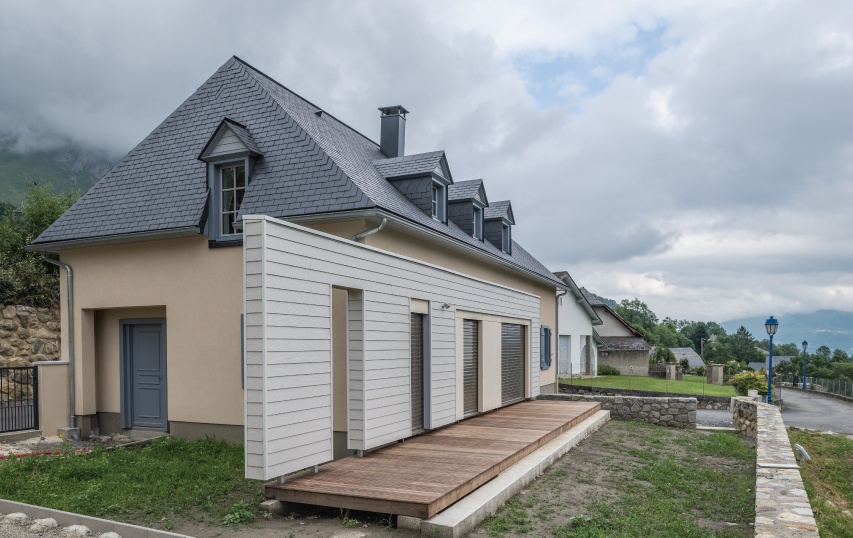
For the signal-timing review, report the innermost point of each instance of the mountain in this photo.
(64, 168)
(831, 328)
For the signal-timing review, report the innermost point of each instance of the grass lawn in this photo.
(636, 479)
(150, 485)
(828, 480)
(691, 384)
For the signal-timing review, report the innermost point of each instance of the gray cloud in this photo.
(714, 179)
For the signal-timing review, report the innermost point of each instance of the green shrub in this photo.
(699, 370)
(604, 369)
(662, 355)
(746, 381)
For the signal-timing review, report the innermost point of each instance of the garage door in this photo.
(470, 366)
(417, 373)
(512, 363)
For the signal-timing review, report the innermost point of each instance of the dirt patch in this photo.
(54, 444)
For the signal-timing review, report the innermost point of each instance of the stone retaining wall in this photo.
(674, 412)
(28, 335)
(702, 402)
(782, 506)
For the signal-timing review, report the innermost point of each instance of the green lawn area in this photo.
(828, 480)
(149, 485)
(691, 384)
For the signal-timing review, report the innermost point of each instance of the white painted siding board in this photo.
(228, 144)
(378, 327)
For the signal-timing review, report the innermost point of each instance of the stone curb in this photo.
(96, 525)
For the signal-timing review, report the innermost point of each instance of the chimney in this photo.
(392, 136)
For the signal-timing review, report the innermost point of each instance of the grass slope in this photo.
(829, 480)
(691, 384)
(150, 485)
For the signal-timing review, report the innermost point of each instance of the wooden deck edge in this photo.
(462, 490)
(348, 502)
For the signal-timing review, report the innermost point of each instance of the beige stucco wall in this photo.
(199, 290)
(417, 247)
(611, 325)
(54, 405)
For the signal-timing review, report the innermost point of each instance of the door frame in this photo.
(126, 388)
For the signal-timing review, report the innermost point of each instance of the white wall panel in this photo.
(289, 272)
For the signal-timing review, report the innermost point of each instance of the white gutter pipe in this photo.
(70, 290)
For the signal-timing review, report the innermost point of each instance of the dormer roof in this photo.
(472, 189)
(500, 210)
(232, 139)
(420, 164)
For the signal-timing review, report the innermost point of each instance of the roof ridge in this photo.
(282, 86)
(411, 157)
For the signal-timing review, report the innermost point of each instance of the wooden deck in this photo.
(424, 475)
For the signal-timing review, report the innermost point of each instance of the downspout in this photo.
(370, 231)
(70, 290)
(557, 332)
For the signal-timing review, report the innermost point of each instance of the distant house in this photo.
(762, 366)
(693, 358)
(624, 348)
(577, 341)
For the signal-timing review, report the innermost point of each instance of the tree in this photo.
(636, 312)
(743, 346)
(839, 355)
(662, 354)
(823, 351)
(25, 277)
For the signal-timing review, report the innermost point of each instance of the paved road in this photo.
(809, 410)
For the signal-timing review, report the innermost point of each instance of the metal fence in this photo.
(18, 399)
(817, 384)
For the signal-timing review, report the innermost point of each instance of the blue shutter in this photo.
(544, 347)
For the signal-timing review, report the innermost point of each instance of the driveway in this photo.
(815, 412)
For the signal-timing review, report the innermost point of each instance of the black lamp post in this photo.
(805, 345)
(771, 325)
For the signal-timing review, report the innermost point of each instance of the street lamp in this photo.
(805, 345)
(771, 325)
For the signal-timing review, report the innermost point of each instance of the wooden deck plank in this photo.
(425, 474)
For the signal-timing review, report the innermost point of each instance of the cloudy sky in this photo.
(697, 155)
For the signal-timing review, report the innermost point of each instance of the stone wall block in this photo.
(9, 311)
(29, 334)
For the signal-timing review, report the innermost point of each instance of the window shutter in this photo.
(544, 347)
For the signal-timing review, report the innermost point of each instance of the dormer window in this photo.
(439, 201)
(230, 155)
(232, 181)
(478, 223)
(506, 239)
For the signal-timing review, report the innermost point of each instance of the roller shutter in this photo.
(417, 373)
(470, 366)
(512, 363)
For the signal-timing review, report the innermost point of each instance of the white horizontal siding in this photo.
(299, 268)
(228, 144)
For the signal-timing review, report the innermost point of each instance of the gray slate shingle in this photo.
(409, 165)
(465, 190)
(311, 164)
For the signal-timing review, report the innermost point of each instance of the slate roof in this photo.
(626, 343)
(465, 190)
(758, 366)
(591, 298)
(312, 164)
(242, 133)
(499, 210)
(693, 358)
(409, 165)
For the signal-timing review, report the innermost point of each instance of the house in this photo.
(258, 270)
(578, 342)
(693, 358)
(624, 347)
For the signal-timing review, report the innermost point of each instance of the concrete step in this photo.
(461, 518)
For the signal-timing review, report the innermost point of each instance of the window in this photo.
(506, 239)
(478, 223)
(232, 186)
(439, 202)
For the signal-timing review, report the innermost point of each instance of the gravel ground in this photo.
(29, 528)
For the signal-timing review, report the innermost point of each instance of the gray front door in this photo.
(145, 374)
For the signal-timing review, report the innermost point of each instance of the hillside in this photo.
(64, 169)
(831, 328)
